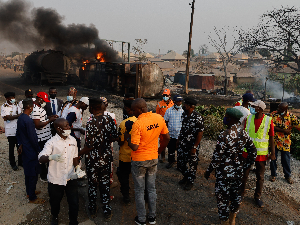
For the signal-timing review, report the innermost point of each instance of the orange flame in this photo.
(100, 57)
(83, 68)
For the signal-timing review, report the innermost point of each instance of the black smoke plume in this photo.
(42, 28)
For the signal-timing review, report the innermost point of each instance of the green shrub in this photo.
(213, 120)
(295, 146)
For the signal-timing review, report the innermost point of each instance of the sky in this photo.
(164, 23)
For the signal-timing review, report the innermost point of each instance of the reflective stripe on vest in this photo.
(261, 137)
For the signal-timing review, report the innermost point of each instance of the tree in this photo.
(278, 32)
(203, 49)
(138, 49)
(225, 50)
(186, 51)
(265, 52)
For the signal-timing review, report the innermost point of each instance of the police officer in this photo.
(189, 139)
(229, 164)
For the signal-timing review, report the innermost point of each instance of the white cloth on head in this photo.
(245, 112)
(60, 172)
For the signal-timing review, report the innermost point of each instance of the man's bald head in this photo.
(59, 122)
(139, 106)
(282, 108)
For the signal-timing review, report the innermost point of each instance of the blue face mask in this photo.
(69, 98)
(252, 111)
(12, 101)
(226, 120)
(178, 107)
(282, 113)
(165, 98)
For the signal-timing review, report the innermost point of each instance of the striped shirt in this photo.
(39, 113)
(174, 119)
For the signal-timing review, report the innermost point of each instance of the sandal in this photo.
(37, 201)
(289, 180)
(36, 193)
(273, 178)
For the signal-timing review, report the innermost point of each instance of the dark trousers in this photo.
(228, 190)
(56, 193)
(123, 172)
(260, 171)
(172, 150)
(183, 158)
(30, 184)
(12, 143)
(99, 174)
(285, 162)
(44, 166)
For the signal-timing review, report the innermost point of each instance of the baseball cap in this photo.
(85, 100)
(258, 103)
(43, 95)
(248, 97)
(177, 98)
(28, 92)
(166, 92)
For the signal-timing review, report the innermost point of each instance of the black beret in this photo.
(95, 101)
(9, 94)
(235, 113)
(190, 101)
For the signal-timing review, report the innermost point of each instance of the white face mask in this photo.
(69, 98)
(66, 133)
(43, 104)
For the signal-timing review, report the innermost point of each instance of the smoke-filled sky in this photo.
(165, 23)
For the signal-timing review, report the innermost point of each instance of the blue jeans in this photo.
(144, 174)
(285, 162)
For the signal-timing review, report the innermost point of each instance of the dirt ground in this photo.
(174, 205)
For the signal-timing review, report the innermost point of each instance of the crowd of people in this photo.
(47, 133)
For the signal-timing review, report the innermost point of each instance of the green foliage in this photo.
(295, 146)
(213, 120)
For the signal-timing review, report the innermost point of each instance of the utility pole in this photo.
(189, 50)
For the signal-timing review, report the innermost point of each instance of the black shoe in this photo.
(183, 181)
(259, 203)
(54, 220)
(15, 168)
(170, 165)
(107, 216)
(136, 220)
(188, 186)
(151, 220)
(93, 212)
(126, 199)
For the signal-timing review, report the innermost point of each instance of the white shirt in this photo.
(78, 122)
(21, 104)
(60, 172)
(55, 104)
(39, 113)
(64, 113)
(10, 125)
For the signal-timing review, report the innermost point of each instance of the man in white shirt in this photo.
(62, 154)
(42, 125)
(74, 117)
(28, 94)
(10, 111)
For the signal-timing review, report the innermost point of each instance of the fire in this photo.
(83, 68)
(100, 57)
